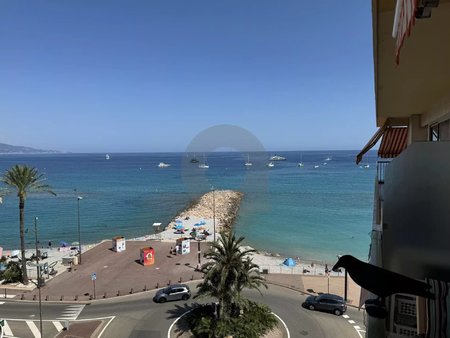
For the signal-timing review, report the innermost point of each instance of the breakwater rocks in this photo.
(224, 203)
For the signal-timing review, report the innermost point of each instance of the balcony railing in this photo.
(381, 167)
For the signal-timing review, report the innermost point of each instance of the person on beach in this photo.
(171, 251)
(49, 244)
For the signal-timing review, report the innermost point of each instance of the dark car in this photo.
(326, 302)
(173, 292)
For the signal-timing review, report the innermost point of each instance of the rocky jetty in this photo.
(225, 204)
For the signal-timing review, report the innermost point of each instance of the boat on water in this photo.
(300, 164)
(205, 164)
(328, 159)
(163, 165)
(367, 166)
(316, 166)
(248, 163)
(194, 159)
(107, 156)
(270, 165)
(277, 158)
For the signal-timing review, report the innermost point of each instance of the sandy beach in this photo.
(224, 204)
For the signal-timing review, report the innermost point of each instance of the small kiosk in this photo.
(118, 244)
(147, 256)
(184, 246)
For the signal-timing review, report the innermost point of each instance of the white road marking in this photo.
(71, 312)
(1, 303)
(176, 320)
(7, 329)
(58, 326)
(33, 329)
(361, 333)
(112, 318)
(284, 324)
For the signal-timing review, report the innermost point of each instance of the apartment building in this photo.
(411, 223)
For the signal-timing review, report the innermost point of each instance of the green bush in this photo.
(255, 321)
(12, 274)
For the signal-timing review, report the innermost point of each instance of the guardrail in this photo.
(381, 168)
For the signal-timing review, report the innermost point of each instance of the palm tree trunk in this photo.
(22, 239)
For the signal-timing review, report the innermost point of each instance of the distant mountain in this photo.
(9, 149)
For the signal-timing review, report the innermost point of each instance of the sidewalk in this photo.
(318, 284)
(120, 273)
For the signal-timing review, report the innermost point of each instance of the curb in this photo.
(293, 288)
(188, 311)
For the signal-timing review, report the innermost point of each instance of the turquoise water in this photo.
(306, 212)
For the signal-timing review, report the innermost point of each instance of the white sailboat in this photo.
(277, 158)
(163, 165)
(270, 164)
(204, 165)
(248, 163)
(300, 164)
(107, 156)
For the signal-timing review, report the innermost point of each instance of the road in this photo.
(138, 316)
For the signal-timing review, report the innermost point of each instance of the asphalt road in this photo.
(139, 316)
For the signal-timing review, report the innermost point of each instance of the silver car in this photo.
(173, 292)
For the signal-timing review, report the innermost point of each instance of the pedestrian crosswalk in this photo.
(71, 312)
(14, 328)
(23, 328)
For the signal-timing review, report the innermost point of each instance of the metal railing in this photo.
(381, 168)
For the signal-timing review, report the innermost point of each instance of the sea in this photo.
(314, 212)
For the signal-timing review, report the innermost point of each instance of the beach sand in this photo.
(303, 276)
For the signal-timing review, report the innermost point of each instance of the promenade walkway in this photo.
(122, 273)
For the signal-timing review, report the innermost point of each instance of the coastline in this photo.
(199, 215)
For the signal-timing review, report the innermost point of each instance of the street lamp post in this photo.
(345, 281)
(38, 275)
(79, 198)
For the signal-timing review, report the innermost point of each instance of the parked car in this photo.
(173, 292)
(326, 302)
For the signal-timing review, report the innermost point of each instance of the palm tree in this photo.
(24, 179)
(228, 271)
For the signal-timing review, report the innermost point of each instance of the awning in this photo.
(394, 141)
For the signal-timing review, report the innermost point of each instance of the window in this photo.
(434, 132)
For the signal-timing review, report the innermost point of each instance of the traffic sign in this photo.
(93, 276)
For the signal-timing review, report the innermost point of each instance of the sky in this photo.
(144, 76)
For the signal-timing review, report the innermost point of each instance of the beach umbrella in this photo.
(179, 227)
(75, 243)
(63, 244)
(197, 224)
(289, 262)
